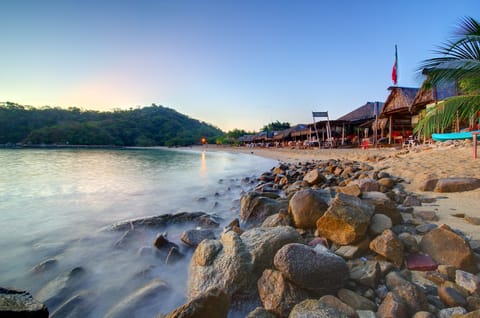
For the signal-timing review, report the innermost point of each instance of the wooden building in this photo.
(396, 112)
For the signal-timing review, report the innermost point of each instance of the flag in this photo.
(395, 68)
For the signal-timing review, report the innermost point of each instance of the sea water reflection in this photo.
(56, 205)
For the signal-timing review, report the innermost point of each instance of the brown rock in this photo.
(451, 297)
(467, 281)
(346, 220)
(277, 294)
(424, 314)
(368, 184)
(392, 306)
(457, 184)
(473, 303)
(389, 246)
(350, 189)
(256, 207)
(426, 215)
(212, 304)
(472, 220)
(355, 300)
(314, 176)
(339, 305)
(307, 206)
(428, 185)
(447, 247)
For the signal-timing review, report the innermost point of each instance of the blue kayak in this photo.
(453, 136)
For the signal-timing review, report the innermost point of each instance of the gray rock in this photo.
(366, 273)
(356, 301)
(61, 288)
(19, 303)
(451, 312)
(136, 300)
(193, 237)
(315, 269)
(379, 223)
(383, 205)
(256, 207)
(312, 308)
(235, 263)
(80, 305)
(164, 220)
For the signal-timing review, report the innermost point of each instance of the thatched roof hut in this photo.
(397, 110)
(428, 95)
(363, 113)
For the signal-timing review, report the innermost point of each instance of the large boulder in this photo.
(278, 295)
(346, 220)
(307, 206)
(235, 263)
(213, 303)
(315, 269)
(449, 248)
(256, 207)
(19, 303)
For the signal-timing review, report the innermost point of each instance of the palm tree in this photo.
(458, 61)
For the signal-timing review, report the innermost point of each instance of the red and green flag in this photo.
(395, 68)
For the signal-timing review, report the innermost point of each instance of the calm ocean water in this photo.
(58, 204)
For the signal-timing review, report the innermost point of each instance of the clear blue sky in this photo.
(234, 64)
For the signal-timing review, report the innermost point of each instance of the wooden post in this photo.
(390, 129)
(474, 135)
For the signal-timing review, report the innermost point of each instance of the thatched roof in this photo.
(363, 113)
(427, 95)
(289, 131)
(399, 100)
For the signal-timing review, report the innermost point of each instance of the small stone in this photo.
(420, 262)
(423, 314)
(448, 270)
(389, 246)
(472, 220)
(426, 215)
(409, 242)
(425, 228)
(355, 300)
(340, 306)
(451, 312)
(412, 200)
(467, 281)
(379, 223)
(451, 297)
(365, 273)
(392, 306)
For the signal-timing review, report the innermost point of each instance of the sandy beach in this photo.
(412, 165)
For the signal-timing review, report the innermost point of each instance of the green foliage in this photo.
(148, 126)
(276, 126)
(459, 61)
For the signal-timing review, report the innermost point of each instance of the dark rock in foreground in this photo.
(17, 303)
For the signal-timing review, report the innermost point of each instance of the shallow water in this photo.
(59, 204)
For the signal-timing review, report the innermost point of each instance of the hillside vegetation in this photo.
(148, 126)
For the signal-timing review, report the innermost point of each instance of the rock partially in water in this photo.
(256, 207)
(136, 300)
(213, 303)
(44, 266)
(193, 237)
(61, 288)
(19, 303)
(164, 220)
(79, 305)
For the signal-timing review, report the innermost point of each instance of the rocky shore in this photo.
(321, 238)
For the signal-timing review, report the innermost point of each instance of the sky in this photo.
(234, 64)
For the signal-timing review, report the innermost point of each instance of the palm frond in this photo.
(444, 115)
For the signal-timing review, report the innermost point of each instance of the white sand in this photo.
(413, 166)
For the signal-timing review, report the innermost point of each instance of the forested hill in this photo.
(148, 126)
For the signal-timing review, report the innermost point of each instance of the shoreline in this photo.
(414, 166)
